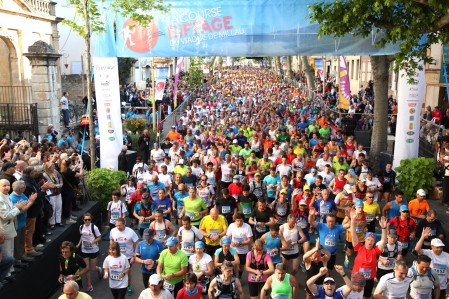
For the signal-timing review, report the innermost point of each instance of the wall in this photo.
(74, 85)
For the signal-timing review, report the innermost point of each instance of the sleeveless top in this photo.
(281, 289)
(394, 211)
(360, 194)
(273, 243)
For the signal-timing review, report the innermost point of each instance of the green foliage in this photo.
(195, 76)
(125, 66)
(134, 124)
(401, 21)
(102, 181)
(414, 174)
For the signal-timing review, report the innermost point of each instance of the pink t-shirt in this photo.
(252, 276)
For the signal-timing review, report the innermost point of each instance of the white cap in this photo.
(181, 161)
(234, 141)
(302, 202)
(63, 156)
(155, 279)
(347, 188)
(421, 192)
(139, 165)
(437, 243)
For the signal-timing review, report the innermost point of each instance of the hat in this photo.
(370, 235)
(357, 278)
(306, 187)
(236, 178)
(328, 279)
(155, 279)
(145, 196)
(257, 174)
(225, 241)
(140, 186)
(283, 191)
(347, 188)
(421, 192)
(181, 161)
(302, 202)
(359, 203)
(403, 208)
(8, 165)
(148, 233)
(172, 241)
(313, 170)
(352, 172)
(139, 165)
(392, 233)
(173, 127)
(63, 156)
(155, 143)
(437, 243)
(200, 244)
(234, 141)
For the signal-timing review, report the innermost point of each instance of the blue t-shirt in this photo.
(149, 251)
(154, 188)
(143, 210)
(329, 236)
(232, 251)
(273, 243)
(179, 200)
(322, 295)
(324, 208)
(163, 204)
(269, 180)
(21, 218)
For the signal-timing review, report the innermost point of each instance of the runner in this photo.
(147, 253)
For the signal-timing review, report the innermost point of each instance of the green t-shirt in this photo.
(282, 137)
(235, 149)
(325, 133)
(173, 263)
(249, 160)
(245, 152)
(192, 206)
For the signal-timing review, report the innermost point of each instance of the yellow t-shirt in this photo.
(211, 226)
(360, 229)
(297, 150)
(371, 211)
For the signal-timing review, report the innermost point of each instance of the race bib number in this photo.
(282, 211)
(115, 276)
(302, 223)
(188, 247)
(439, 268)
(87, 245)
(366, 273)
(238, 240)
(168, 286)
(279, 296)
(161, 235)
(190, 215)
(226, 209)
(122, 247)
(329, 241)
(253, 277)
(261, 229)
(272, 252)
(324, 211)
(369, 217)
(404, 245)
(115, 215)
(359, 229)
(215, 232)
(423, 295)
(246, 211)
(180, 210)
(205, 200)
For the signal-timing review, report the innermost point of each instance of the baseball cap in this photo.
(225, 241)
(139, 165)
(257, 174)
(173, 127)
(200, 244)
(328, 279)
(392, 233)
(421, 192)
(8, 165)
(172, 241)
(302, 202)
(347, 188)
(437, 242)
(403, 208)
(148, 233)
(283, 191)
(306, 187)
(313, 170)
(140, 186)
(370, 235)
(357, 278)
(155, 279)
(181, 161)
(352, 172)
(234, 141)
(359, 203)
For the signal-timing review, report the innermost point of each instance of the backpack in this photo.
(91, 229)
(415, 273)
(256, 264)
(220, 287)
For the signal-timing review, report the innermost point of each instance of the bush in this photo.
(102, 181)
(135, 138)
(414, 174)
(135, 124)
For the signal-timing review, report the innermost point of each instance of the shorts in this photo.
(331, 263)
(340, 220)
(382, 272)
(242, 258)
(368, 290)
(306, 234)
(371, 226)
(255, 288)
(349, 245)
(91, 256)
(291, 256)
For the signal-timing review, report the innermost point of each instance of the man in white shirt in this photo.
(65, 108)
(241, 236)
(323, 161)
(395, 284)
(157, 154)
(155, 289)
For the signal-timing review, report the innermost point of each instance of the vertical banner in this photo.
(344, 91)
(206, 65)
(180, 60)
(410, 99)
(284, 63)
(319, 67)
(161, 76)
(108, 108)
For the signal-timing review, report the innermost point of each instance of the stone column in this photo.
(44, 70)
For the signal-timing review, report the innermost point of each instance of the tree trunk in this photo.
(211, 64)
(220, 63)
(380, 66)
(277, 62)
(89, 86)
(309, 72)
(289, 68)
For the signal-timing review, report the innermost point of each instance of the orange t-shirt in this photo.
(418, 208)
(173, 135)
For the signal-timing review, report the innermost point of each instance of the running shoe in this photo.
(100, 272)
(346, 262)
(89, 289)
(130, 291)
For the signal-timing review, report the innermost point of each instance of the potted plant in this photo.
(102, 181)
(414, 174)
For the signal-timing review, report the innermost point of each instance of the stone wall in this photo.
(73, 84)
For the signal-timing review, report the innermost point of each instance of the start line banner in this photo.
(229, 28)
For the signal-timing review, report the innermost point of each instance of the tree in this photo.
(125, 66)
(413, 25)
(309, 72)
(88, 11)
(195, 75)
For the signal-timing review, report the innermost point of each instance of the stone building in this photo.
(29, 61)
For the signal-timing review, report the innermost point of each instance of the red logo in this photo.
(160, 86)
(137, 38)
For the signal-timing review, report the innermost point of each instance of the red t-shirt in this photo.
(403, 227)
(366, 260)
(182, 294)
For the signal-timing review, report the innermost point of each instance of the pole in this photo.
(89, 85)
(175, 96)
(154, 95)
(82, 74)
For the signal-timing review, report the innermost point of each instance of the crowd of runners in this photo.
(250, 186)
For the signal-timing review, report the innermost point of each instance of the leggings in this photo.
(118, 293)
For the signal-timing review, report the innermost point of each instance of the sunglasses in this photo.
(330, 282)
(370, 196)
(87, 219)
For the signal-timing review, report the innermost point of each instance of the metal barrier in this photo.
(18, 117)
(429, 134)
(176, 114)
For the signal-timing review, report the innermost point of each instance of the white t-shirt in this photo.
(148, 176)
(146, 294)
(393, 288)
(226, 172)
(125, 239)
(158, 155)
(422, 285)
(116, 209)
(357, 153)
(352, 294)
(291, 236)
(201, 265)
(327, 177)
(374, 183)
(440, 264)
(198, 171)
(240, 234)
(320, 163)
(87, 239)
(284, 170)
(116, 266)
(165, 179)
(64, 103)
(188, 239)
